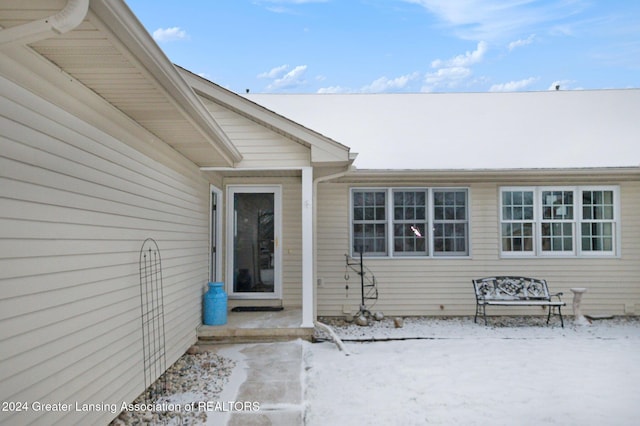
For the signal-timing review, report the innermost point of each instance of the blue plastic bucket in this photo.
(215, 305)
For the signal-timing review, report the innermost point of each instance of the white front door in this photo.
(253, 242)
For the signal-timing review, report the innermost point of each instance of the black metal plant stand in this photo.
(152, 314)
(368, 284)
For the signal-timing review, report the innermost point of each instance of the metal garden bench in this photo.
(515, 291)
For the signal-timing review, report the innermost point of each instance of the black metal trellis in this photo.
(368, 284)
(152, 314)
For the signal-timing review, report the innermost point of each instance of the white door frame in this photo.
(215, 262)
(276, 190)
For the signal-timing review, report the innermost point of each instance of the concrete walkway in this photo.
(268, 381)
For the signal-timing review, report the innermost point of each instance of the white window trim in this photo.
(389, 221)
(217, 222)
(537, 200)
(392, 221)
(617, 232)
(519, 254)
(387, 227)
(576, 251)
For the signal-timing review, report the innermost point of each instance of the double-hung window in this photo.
(517, 221)
(558, 221)
(598, 221)
(551, 221)
(410, 222)
(402, 222)
(370, 222)
(450, 223)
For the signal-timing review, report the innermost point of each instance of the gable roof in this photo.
(324, 150)
(101, 45)
(555, 129)
(108, 51)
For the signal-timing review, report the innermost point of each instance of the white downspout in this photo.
(64, 21)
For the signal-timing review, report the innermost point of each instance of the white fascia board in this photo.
(135, 37)
(323, 149)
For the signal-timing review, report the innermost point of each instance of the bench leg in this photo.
(475, 318)
(484, 313)
(559, 313)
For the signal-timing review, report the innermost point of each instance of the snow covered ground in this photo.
(516, 371)
(455, 372)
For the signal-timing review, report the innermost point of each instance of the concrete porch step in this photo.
(226, 334)
(257, 327)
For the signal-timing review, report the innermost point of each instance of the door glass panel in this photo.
(254, 243)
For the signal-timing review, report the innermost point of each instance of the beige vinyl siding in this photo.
(332, 243)
(259, 146)
(291, 237)
(292, 242)
(432, 286)
(75, 207)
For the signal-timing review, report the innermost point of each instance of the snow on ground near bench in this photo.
(511, 372)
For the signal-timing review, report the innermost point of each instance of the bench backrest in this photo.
(511, 288)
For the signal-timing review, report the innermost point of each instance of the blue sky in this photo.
(376, 46)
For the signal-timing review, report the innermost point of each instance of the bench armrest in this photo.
(556, 295)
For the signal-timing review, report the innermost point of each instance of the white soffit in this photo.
(112, 54)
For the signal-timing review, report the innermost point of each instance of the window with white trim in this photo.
(450, 222)
(598, 221)
(402, 222)
(410, 222)
(567, 221)
(517, 221)
(369, 222)
(557, 221)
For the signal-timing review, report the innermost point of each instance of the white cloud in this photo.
(380, 85)
(274, 72)
(169, 34)
(521, 42)
(512, 86)
(562, 30)
(384, 84)
(498, 19)
(469, 58)
(333, 89)
(453, 72)
(293, 78)
(445, 77)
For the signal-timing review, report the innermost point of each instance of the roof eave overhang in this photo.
(324, 151)
(134, 36)
(631, 173)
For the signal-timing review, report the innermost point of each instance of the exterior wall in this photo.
(76, 205)
(259, 146)
(291, 237)
(443, 286)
